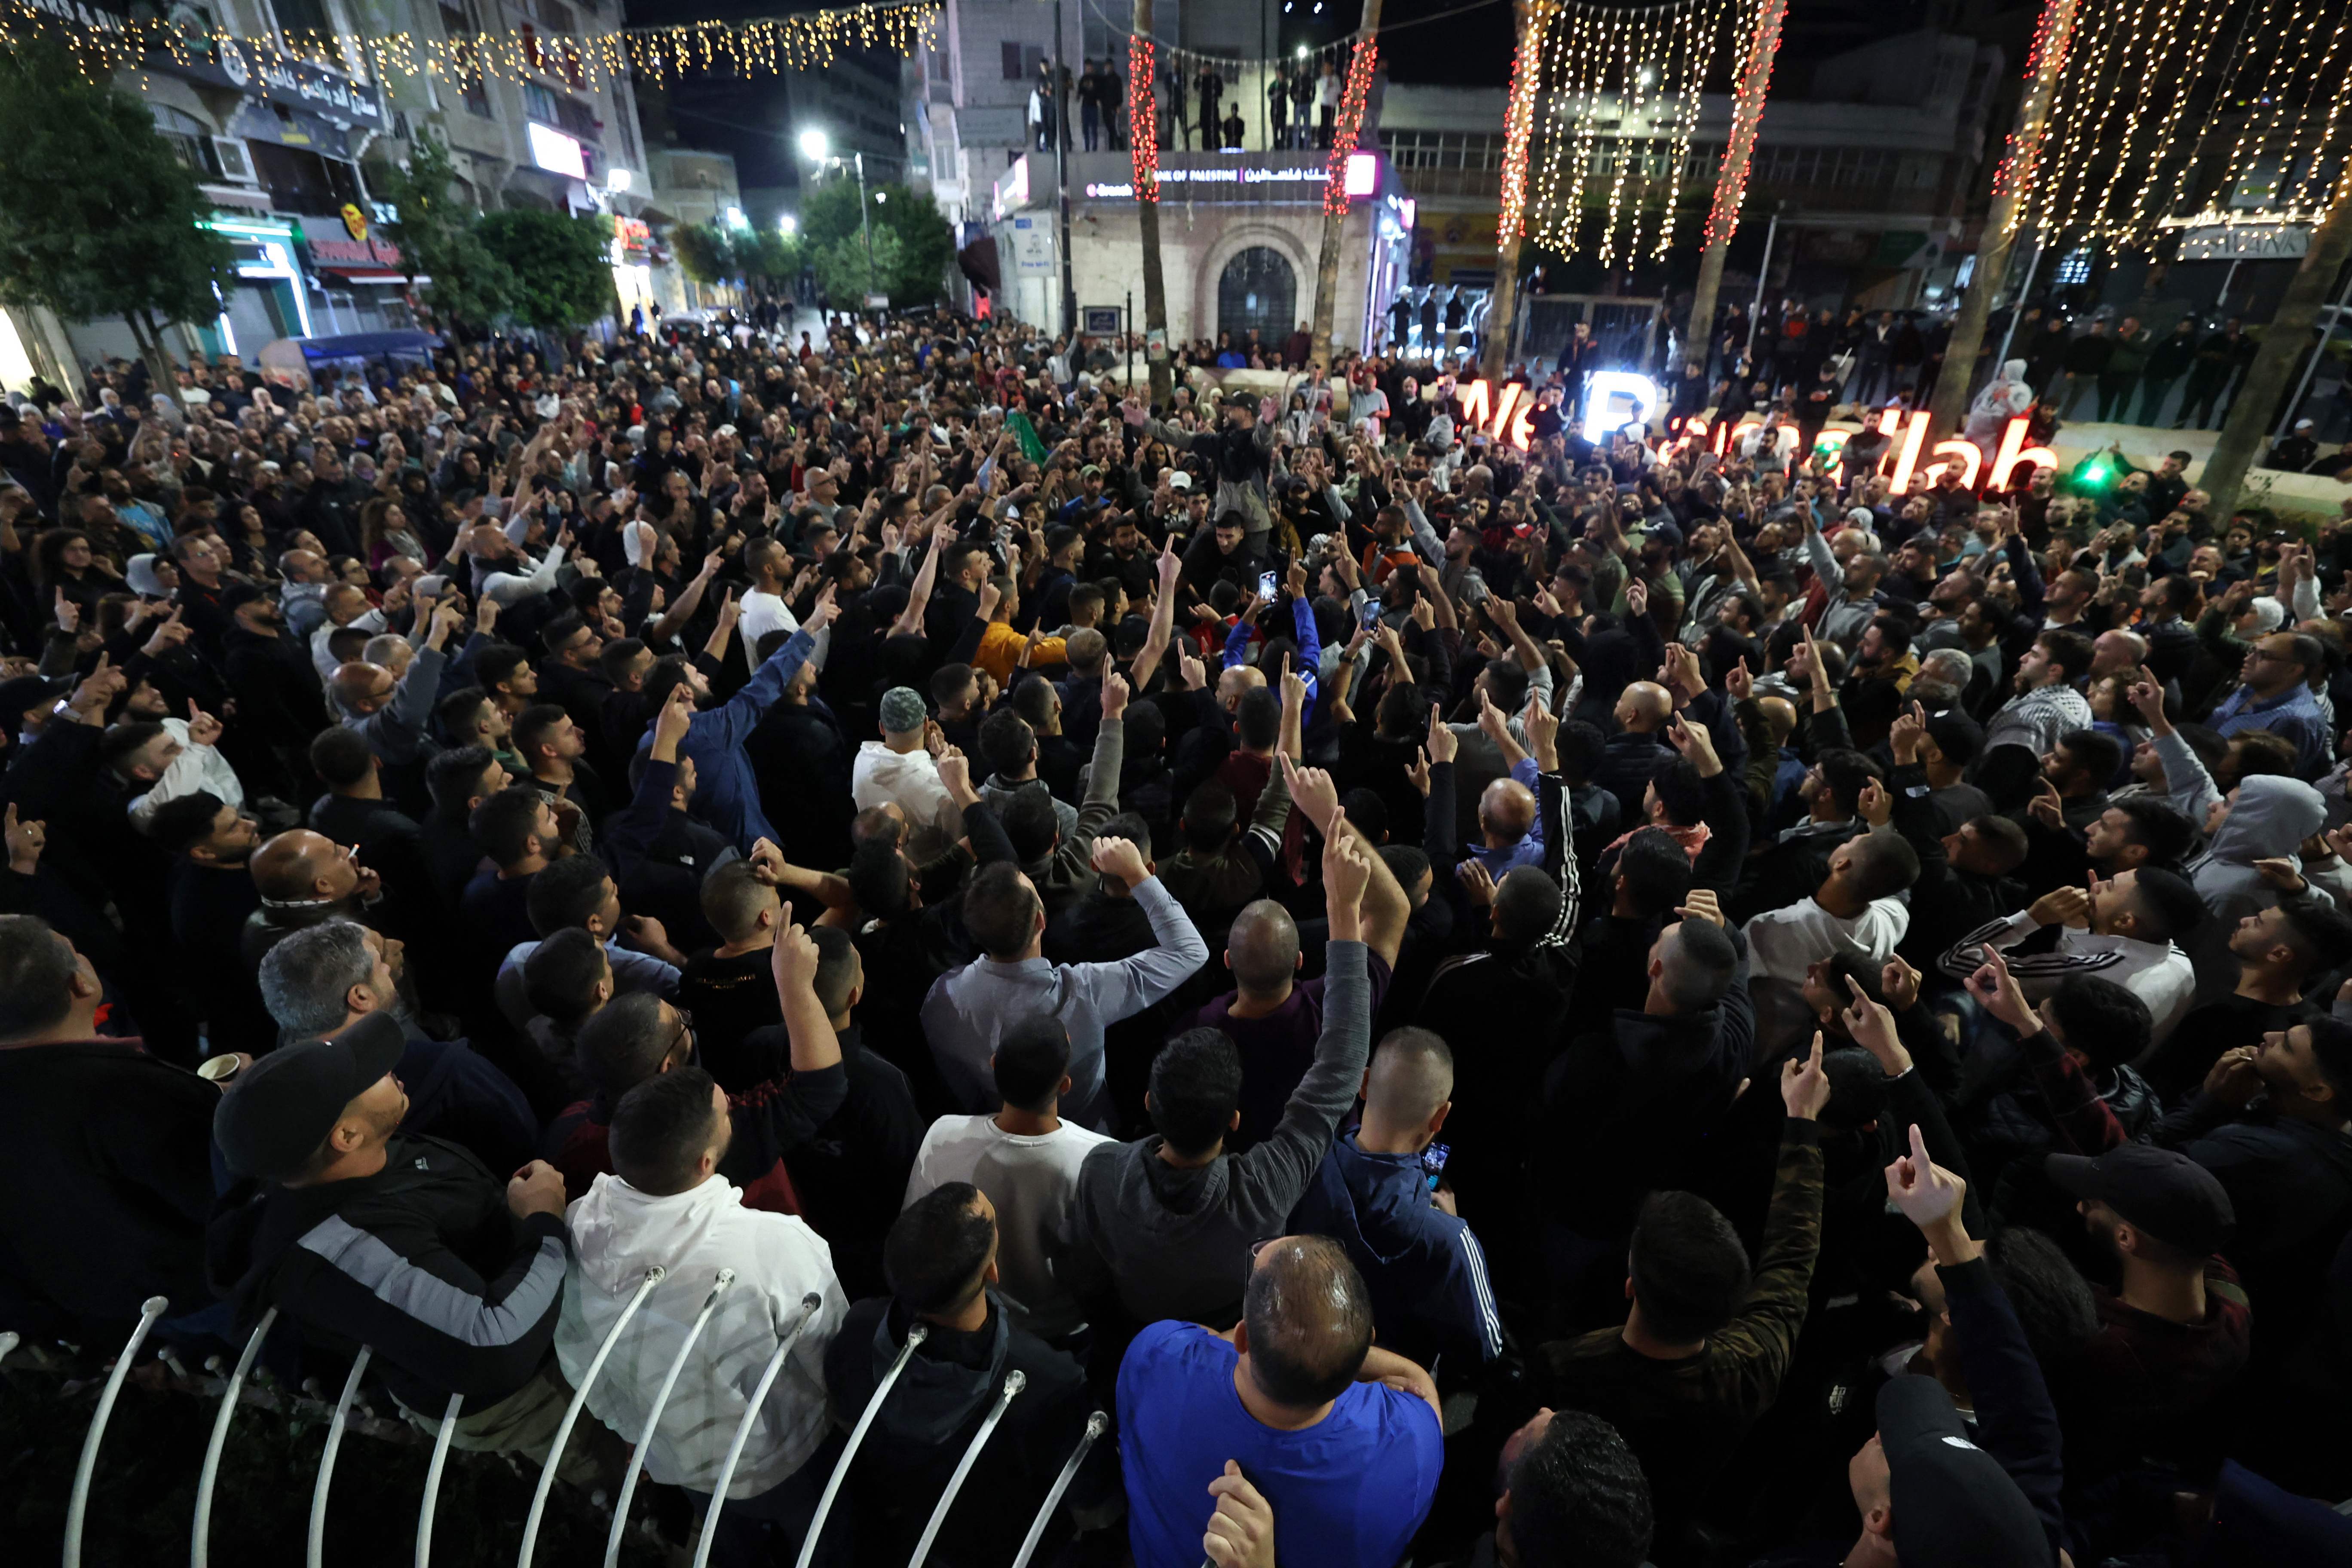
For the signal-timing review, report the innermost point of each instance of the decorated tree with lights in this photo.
(120, 237)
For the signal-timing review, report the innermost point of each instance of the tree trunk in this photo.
(1948, 408)
(1147, 214)
(1525, 77)
(149, 339)
(1326, 260)
(2284, 342)
(1731, 176)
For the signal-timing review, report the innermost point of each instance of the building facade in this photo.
(282, 148)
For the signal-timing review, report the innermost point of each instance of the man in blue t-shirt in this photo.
(1344, 1440)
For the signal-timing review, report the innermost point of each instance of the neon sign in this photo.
(1909, 438)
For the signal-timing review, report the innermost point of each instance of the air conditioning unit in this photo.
(235, 163)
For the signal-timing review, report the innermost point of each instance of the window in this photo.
(466, 54)
(190, 143)
(1009, 56)
(537, 102)
(304, 22)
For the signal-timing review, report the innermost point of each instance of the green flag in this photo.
(1026, 434)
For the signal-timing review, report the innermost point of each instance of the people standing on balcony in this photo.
(1326, 104)
(1211, 90)
(1277, 108)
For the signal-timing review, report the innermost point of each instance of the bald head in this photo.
(1262, 948)
(1236, 682)
(2116, 652)
(301, 867)
(1506, 809)
(1412, 1079)
(363, 687)
(1644, 707)
(303, 566)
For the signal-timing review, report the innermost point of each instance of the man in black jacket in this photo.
(361, 1237)
(940, 1258)
(116, 1143)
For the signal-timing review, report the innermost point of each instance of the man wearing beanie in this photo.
(899, 771)
(362, 1235)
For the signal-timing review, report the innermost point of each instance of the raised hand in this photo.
(1997, 992)
(26, 840)
(1441, 744)
(1240, 1535)
(794, 963)
(1477, 882)
(1804, 1087)
(1120, 858)
(1873, 805)
(1114, 694)
(1312, 791)
(1873, 1028)
(203, 730)
(1928, 1194)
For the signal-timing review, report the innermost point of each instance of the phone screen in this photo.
(1266, 581)
(1433, 1162)
(1372, 611)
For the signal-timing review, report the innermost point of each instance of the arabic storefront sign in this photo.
(297, 84)
(332, 245)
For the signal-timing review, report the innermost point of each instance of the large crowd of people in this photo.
(1561, 1007)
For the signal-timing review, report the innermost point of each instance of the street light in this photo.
(735, 218)
(788, 226)
(881, 197)
(818, 150)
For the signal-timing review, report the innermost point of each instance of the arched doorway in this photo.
(1257, 289)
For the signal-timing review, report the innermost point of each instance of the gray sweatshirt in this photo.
(1176, 1243)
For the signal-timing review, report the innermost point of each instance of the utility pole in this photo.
(1948, 407)
(1335, 209)
(1062, 183)
(864, 227)
(2284, 342)
(1731, 176)
(1527, 86)
(1146, 217)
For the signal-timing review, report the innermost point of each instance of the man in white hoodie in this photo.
(667, 1207)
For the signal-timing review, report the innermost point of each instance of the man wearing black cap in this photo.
(1933, 1494)
(363, 1236)
(2172, 1339)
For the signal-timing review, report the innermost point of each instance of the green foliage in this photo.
(777, 258)
(717, 253)
(704, 251)
(100, 218)
(922, 241)
(438, 239)
(563, 266)
(841, 271)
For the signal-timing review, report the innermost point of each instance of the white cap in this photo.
(1180, 480)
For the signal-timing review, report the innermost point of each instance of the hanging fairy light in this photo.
(1597, 129)
(2169, 113)
(102, 43)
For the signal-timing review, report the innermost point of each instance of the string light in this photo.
(102, 44)
(1349, 125)
(1518, 114)
(1747, 112)
(1142, 119)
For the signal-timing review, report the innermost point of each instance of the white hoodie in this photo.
(617, 1233)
